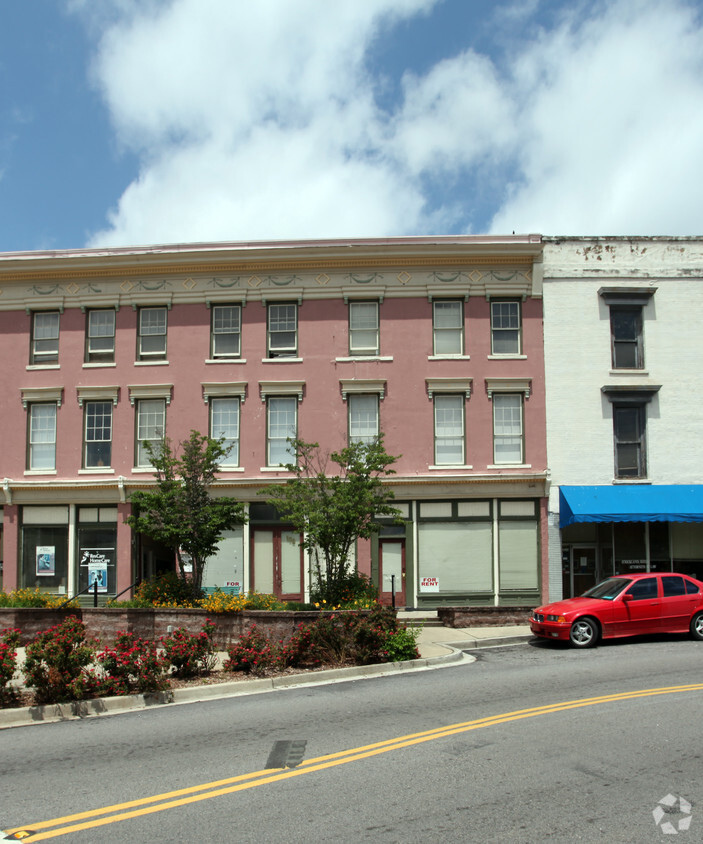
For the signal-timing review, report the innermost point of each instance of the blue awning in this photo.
(635, 503)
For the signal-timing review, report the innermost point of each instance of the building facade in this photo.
(435, 342)
(625, 440)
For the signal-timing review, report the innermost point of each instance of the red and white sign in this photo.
(429, 584)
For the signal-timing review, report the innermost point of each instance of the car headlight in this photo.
(560, 619)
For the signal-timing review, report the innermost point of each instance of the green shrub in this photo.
(190, 655)
(166, 590)
(133, 665)
(402, 645)
(56, 663)
(254, 653)
(355, 591)
(9, 639)
(34, 598)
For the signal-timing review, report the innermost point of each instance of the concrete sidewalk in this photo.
(437, 641)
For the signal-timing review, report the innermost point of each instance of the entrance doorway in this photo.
(583, 571)
(277, 563)
(391, 571)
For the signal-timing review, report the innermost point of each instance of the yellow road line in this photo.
(230, 785)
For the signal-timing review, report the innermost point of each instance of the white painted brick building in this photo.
(623, 338)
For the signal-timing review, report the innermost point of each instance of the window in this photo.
(100, 336)
(98, 435)
(629, 425)
(226, 331)
(643, 590)
(45, 338)
(281, 424)
(448, 327)
(42, 437)
(448, 430)
(151, 428)
(282, 330)
(363, 328)
(505, 327)
(507, 428)
(152, 334)
(363, 419)
(626, 337)
(224, 422)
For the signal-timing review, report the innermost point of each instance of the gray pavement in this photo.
(439, 647)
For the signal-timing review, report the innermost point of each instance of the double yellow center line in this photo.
(186, 796)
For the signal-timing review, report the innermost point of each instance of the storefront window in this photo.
(97, 549)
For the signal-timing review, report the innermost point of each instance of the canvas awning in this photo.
(630, 503)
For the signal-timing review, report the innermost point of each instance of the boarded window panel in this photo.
(518, 555)
(459, 554)
(435, 509)
(686, 540)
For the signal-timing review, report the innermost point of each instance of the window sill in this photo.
(281, 360)
(357, 358)
(33, 366)
(509, 466)
(98, 364)
(506, 357)
(452, 466)
(448, 357)
(142, 470)
(630, 373)
(225, 360)
(274, 469)
(105, 471)
(632, 481)
(151, 363)
(222, 469)
(34, 472)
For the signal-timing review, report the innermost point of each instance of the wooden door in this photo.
(277, 563)
(391, 571)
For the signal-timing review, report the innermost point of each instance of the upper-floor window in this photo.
(100, 336)
(224, 422)
(629, 430)
(626, 337)
(226, 333)
(506, 328)
(281, 425)
(42, 437)
(363, 328)
(449, 434)
(151, 428)
(282, 330)
(363, 418)
(151, 334)
(97, 450)
(448, 327)
(45, 338)
(507, 428)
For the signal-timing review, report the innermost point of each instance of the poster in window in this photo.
(97, 560)
(46, 560)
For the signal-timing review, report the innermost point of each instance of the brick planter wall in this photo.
(483, 616)
(104, 624)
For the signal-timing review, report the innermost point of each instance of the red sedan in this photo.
(625, 605)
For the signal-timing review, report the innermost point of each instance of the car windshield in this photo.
(608, 589)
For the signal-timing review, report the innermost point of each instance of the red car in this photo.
(625, 605)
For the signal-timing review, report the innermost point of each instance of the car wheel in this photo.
(584, 633)
(697, 626)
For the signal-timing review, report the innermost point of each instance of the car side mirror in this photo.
(627, 597)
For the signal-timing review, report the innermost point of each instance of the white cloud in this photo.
(258, 120)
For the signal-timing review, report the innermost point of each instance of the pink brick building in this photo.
(436, 342)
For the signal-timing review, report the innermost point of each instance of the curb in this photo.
(79, 710)
(95, 707)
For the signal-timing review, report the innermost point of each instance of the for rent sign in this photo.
(429, 584)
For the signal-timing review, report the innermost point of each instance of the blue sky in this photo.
(129, 122)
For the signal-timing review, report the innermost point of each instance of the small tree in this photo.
(333, 510)
(180, 512)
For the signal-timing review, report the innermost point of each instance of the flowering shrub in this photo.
(190, 655)
(167, 590)
(402, 645)
(133, 665)
(254, 653)
(33, 598)
(354, 592)
(9, 639)
(56, 663)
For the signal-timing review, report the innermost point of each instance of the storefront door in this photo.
(277, 563)
(584, 573)
(391, 566)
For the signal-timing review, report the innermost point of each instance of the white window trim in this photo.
(509, 385)
(363, 385)
(36, 395)
(84, 394)
(149, 391)
(224, 390)
(449, 385)
(268, 389)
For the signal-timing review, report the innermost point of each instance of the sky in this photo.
(137, 122)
